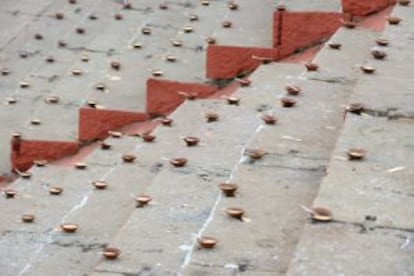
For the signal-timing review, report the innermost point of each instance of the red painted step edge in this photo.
(364, 7)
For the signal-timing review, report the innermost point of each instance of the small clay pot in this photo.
(24, 84)
(394, 20)
(228, 189)
(255, 154)
(105, 146)
(23, 54)
(356, 108)
(293, 90)
(81, 165)
(50, 59)
(69, 227)
(170, 58)
(382, 42)
(59, 15)
(115, 64)
(40, 163)
(356, 154)
(176, 43)
(226, 24)
(149, 138)
(233, 100)
(188, 29)
(11, 100)
(55, 190)
(128, 158)
(404, 2)
(127, 6)
(76, 72)
(10, 193)
(146, 31)
(142, 200)
(5, 71)
(281, 7)
(193, 17)
(100, 86)
(115, 134)
(235, 212)
(111, 253)
(52, 99)
(72, 1)
(38, 36)
(244, 82)
(137, 45)
(100, 185)
(321, 214)
(311, 66)
(91, 103)
(210, 40)
(378, 54)
(232, 6)
(368, 69)
(93, 16)
(269, 119)
(163, 6)
(28, 218)
(166, 121)
(207, 242)
(62, 43)
(157, 73)
(349, 24)
(80, 30)
(212, 116)
(205, 2)
(191, 141)
(287, 102)
(25, 175)
(118, 16)
(85, 58)
(189, 96)
(36, 122)
(178, 162)
(335, 45)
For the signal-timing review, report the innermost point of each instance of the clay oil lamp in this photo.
(188, 29)
(193, 17)
(85, 58)
(36, 122)
(146, 31)
(356, 108)
(176, 43)
(93, 16)
(80, 165)
(118, 16)
(137, 45)
(293, 90)
(226, 24)
(349, 24)
(320, 214)
(111, 253)
(178, 162)
(368, 69)
(16, 135)
(11, 100)
(211, 116)
(128, 158)
(281, 7)
(127, 5)
(5, 71)
(59, 15)
(105, 146)
(142, 200)
(62, 43)
(38, 36)
(210, 40)
(10, 193)
(79, 30)
(76, 72)
(264, 60)
(228, 189)
(232, 6)
(356, 154)
(235, 212)
(378, 54)
(116, 65)
(163, 6)
(335, 45)
(23, 54)
(149, 138)
(404, 2)
(207, 242)
(244, 82)
(382, 42)
(28, 218)
(25, 175)
(191, 141)
(287, 102)
(269, 119)
(55, 190)
(40, 163)
(72, 1)
(69, 227)
(166, 121)
(205, 2)
(170, 58)
(157, 73)
(115, 134)
(100, 185)
(92, 103)
(255, 154)
(394, 20)
(311, 66)
(188, 96)
(24, 84)
(100, 86)
(52, 99)
(233, 100)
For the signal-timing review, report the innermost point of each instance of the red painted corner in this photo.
(163, 96)
(24, 152)
(295, 31)
(225, 62)
(95, 123)
(364, 7)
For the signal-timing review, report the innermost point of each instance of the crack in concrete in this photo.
(239, 266)
(365, 227)
(321, 168)
(391, 113)
(336, 80)
(84, 247)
